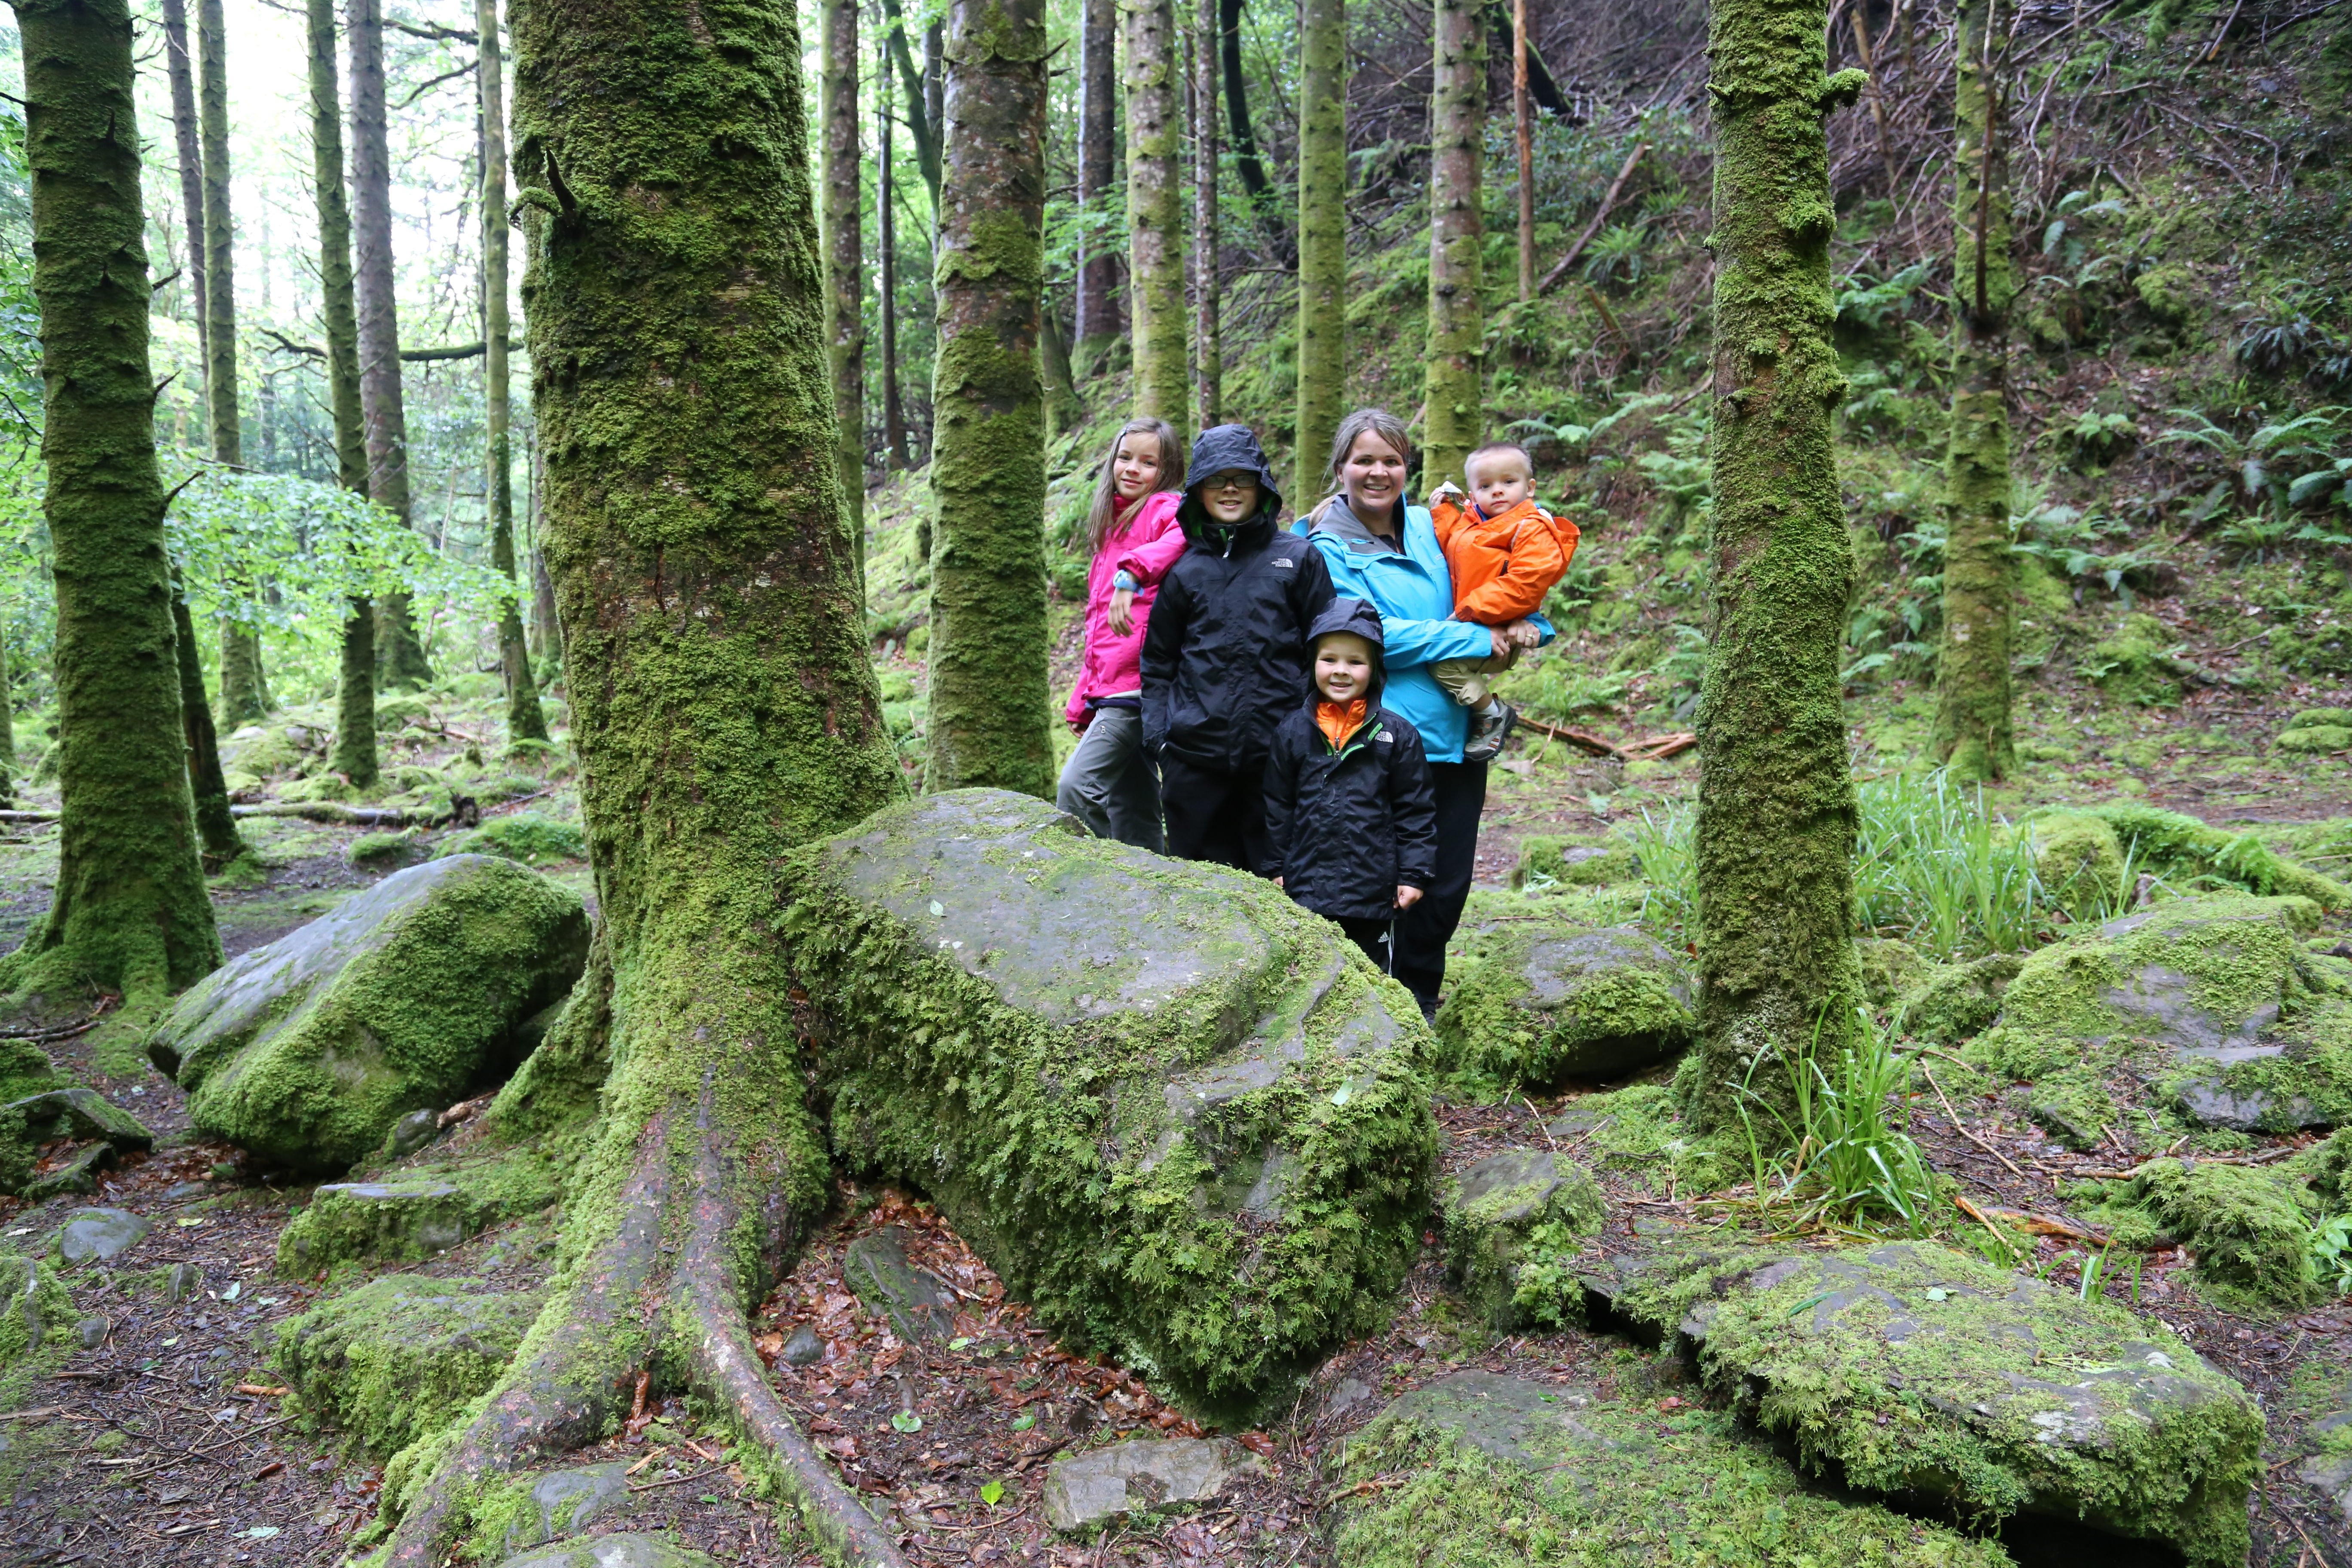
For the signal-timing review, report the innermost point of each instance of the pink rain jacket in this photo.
(1144, 544)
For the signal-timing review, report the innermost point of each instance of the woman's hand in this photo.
(1122, 611)
(1407, 897)
(1503, 641)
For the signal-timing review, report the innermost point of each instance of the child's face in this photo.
(1135, 466)
(1373, 475)
(1230, 495)
(1499, 481)
(1343, 666)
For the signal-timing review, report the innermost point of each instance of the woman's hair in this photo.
(1363, 421)
(1102, 516)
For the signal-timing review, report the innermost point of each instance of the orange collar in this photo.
(1339, 721)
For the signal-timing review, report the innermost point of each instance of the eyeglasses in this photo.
(1228, 481)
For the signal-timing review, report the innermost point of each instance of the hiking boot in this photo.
(1488, 725)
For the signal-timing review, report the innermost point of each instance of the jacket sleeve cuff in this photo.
(1124, 581)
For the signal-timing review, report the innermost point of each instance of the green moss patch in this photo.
(1552, 860)
(1509, 1210)
(398, 1357)
(1537, 1002)
(421, 1210)
(2248, 1229)
(1180, 1114)
(526, 837)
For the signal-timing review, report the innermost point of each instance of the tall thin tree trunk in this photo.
(845, 250)
(1457, 324)
(1099, 320)
(1877, 97)
(922, 114)
(354, 754)
(400, 657)
(1208, 344)
(1523, 127)
(723, 707)
(215, 822)
(1973, 730)
(1155, 213)
(525, 721)
(1246, 161)
(1776, 816)
(1322, 236)
(1065, 410)
(187, 137)
(893, 409)
(989, 708)
(242, 697)
(130, 913)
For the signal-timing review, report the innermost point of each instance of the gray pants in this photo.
(1109, 785)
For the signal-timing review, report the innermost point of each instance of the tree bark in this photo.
(1775, 816)
(1099, 320)
(1457, 325)
(354, 754)
(722, 706)
(188, 136)
(1973, 734)
(400, 657)
(525, 721)
(1322, 236)
(989, 706)
(1246, 161)
(893, 409)
(1155, 214)
(1523, 129)
(844, 251)
(922, 118)
(215, 824)
(130, 913)
(1208, 345)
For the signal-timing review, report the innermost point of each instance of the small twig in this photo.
(1539, 1123)
(674, 1480)
(1960, 1127)
(1600, 216)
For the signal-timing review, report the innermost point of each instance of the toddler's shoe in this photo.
(1488, 725)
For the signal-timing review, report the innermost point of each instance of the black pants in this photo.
(1423, 931)
(1214, 816)
(1371, 935)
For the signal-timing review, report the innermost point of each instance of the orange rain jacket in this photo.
(1503, 566)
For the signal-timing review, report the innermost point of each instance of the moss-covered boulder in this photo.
(1181, 1115)
(2217, 1003)
(407, 997)
(1507, 1208)
(1950, 1002)
(2077, 857)
(398, 1356)
(1538, 1002)
(35, 1308)
(526, 837)
(2139, 663)
(1913, 1370)
(614, 1551)
(1549, 860)
(2315, 739)
(418, 1212)
(2247, 1228)
(104, 1130)
(1477, 1470)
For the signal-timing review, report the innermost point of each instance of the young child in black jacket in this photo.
(1348, 797)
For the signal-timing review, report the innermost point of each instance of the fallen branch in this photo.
(1961, 1127)
(1577, 738)
(331, 812)
(27, 817)
(1599, 216)
(1649, 749)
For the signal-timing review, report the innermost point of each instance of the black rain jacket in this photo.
(1224, 654)
(1352, 826)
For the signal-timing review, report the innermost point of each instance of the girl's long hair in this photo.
(1362, 422)
(1102, 516)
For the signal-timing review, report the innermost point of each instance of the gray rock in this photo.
(2331, 1475)
(411, 1132)
(179, 1190)
(878, 1269)
(394, 1358)
(412, 1218)
(1492, 1211)
(306, 1051)
(91, 1332)
(803, 1349)
(1138, 1476)
(184, 1283)
(83, 1113)
(99, 1235)
(613, 1552)
(77, 1174)
(1539, 1003)
(566, 1502)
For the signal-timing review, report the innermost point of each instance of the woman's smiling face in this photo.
(1373, 476)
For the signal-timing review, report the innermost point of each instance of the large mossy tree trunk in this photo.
(988, 707)
(400, 662)
(1208, 340)
(1322, 238)
(130, 913)
(1455, 421)
(1973, 734)
(244, 696)
(1099, 321)
(1775, 816)
(1155, 214)
(525, 721)
(845, 250)
(354, 754)
(722, 705)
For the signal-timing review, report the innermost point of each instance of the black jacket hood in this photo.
(1219, 447)
(1356, 616)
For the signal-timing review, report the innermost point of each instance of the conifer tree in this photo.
(1208, 345)
(844, 249)
(988, 707)
(245, 696)
(1155, 214)
(187, 138)
(1778, 976)
(1973, 732)
(1099, 321)
(894, 412)
(1322, 235)
(1457, 325)
(130, 913)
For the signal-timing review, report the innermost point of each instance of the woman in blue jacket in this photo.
(1385, 552)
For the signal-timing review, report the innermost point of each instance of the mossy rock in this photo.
(264, 749)
(1502, 1207)
(2137, 664)
(378, 849)
(1572, 863)
(397, 1357)
(2317, 717)
(407, 996)
(35, 1308)
(1950, 1002)
(1183, 1117)
(614, 1551)
(417, 1213)
(2315, 739)
(2247, 1228)
(69, 1112)
(1915, 1370)
(2169, 290)
(1544, 1002)
(2077, 856)
(1478, 1470)
(526, 837)
(2191, 854)
(398, 713)
(1888, 965)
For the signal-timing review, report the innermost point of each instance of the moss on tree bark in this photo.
(1776, 822)
(990, 709)
(129, 912)
(1973, 734)
(215, 822)
(1457, 327)
(844, 251)
(1322, 238)
(1155, 214)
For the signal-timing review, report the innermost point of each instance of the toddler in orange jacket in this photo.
(1505, 552)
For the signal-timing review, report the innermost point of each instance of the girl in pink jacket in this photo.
(1109, 783)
